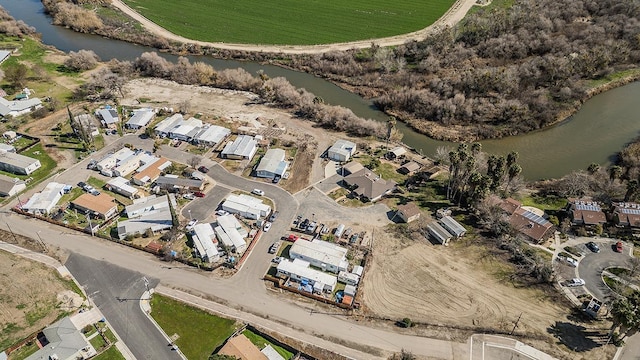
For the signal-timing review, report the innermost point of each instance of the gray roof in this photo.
(17, 160)
(212, 133)
(192, 183)
(64, 341)
(344, 147)
(108, 116)
(273, 162)
(141, 117)
(8, 183)
(4, 54)
(7, 147)
(438, 232)
(7, 106)
(453, 226)
(154, 220)
(243, 145)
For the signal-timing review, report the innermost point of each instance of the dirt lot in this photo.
(28, 297)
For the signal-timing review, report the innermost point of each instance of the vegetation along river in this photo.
(594, 134)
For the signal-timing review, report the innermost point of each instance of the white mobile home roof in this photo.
(122, 184)
(109, 116)
(350, 290)
(46, 199)
(149, 204)
(343, 147)
(229, 222)
(141, 117)
(165, 126)
(185, 127)
(436, 230)
(302, 269)
(203, 241)
(17, 106)
(453, 226)
(243, 145)
(212, 134)
(154, 220)
(321, 251)
(17, 160)
(7, 147)
(246, 204)
(273, 162)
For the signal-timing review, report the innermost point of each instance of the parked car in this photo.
(276, 180)
(191, 224)
(291, 238)
(92, 164)
(276, 259)
(199, 194)
(203, 169)
(575, 282)
(571, 261)
(273, 216)
(221, 212)
(619, 246)
(257, 192)
(82, 184)
(274, 248)
(267, 226)
(311, 227)
(94, 192)
(593, 247)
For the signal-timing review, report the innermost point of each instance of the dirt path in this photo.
(457, 11)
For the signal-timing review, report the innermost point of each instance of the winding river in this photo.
(593, 135)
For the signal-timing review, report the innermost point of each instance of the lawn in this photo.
(111, 353)
(98, 342)
(290, 21)
(544, 202)
(199, 332)
(261, 343)
(24, 351)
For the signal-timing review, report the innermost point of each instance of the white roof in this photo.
(186, 126)
(203, 240)
(271, 353)
(6, 106)
(349, 276)
(319, 250)
(350, 290)
(344, 147)
(148, 204)
(46, 199)
(141, 117)
(166, 125)
(246, 203)
(123, 184)
(302, 269)
(109, 116)
(243, 145)
(357, 270)
(228, 222)
(453, 226)
(213, 134)
(398, 151)
(7, 147)
(273, 162)
(155, 220)
(231, 238)
(17, 160)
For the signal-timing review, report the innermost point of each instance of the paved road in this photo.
(591, 266)
(117, 291)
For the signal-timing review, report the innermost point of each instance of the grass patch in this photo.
(618, 271)
(613, 77)
(110, 336)
(545, 202)
(287, 22)
(111, 353)
(196, 150)
(46, 162)
(617, 286)
(337, 194)
(573, 251)
(494, 5)
(191, 325)
(98, 342)
(261, 343)
(96, 183)
(24, 352)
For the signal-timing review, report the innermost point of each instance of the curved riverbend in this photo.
(600, 129)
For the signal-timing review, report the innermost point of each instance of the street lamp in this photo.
(190, 215)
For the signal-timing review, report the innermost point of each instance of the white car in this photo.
(257, 192)
(191, 224)
(267, 226)
(221, 212)
(189, 196)
(571, 261)
(575, 282)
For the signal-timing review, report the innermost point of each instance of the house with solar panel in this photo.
(585, 211)
(626, 214)
(528, 221)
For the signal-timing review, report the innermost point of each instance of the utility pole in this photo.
(89, 221)
(44, 246)
(12, 233)
(516, 324)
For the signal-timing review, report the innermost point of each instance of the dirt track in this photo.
(457, 11)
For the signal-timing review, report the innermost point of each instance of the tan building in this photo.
(242, 348)
(102, 205)
(408, 212)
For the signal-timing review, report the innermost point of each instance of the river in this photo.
(602, 127)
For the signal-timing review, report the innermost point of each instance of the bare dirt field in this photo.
(30, 297)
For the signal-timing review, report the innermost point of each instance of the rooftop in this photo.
(302, 269)
(273, 162)
(368, 184)
(242, 348)
(100, 204)
(16, 159)
(319, 250)
(243, 145)
(64, 341)
(409, 209)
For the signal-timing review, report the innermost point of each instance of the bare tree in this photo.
(194, 161)
(82, 60)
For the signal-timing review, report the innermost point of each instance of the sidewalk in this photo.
(145, 306)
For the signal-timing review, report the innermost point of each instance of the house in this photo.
(18, 107)
(452, 226)
(300, 270)
(272, 164)
(9, 135)
(351, 168)
(358, 270)
(186, 129)
(121, 186)
(439, 233)
(132, 163)
(62, 341)
(211, 135)
(408, 212)
(271, 353)
(203, 238)
(246, 206)
(526, 221)
(409, 168)
(18, 164)
(174, 183)
(150, 172)
(229, 222)
(4, 55)
(586, 212)
(164, 127)
(7, 148)
(10, 186)
(231, 238)
(110, 161)
(140, 119)
(86, 121)
(341, 150)
(243, 147)
(369, 186)
(396, 153)
(348, 278)
(150, 213)
(41, 203)
(108, 117)
(321, 254)
(241, 348)
(102, 206)
(626, 214)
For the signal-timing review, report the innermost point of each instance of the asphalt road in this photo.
(591, 266)
(117, 291)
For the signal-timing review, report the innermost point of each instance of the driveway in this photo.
(117, 291)
(592, 264)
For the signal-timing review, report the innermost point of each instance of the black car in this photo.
(276, 179)
(203, 169)
(82, 184)
(273, 216)
(593, 247)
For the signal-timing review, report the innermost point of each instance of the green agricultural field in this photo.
(294, 22)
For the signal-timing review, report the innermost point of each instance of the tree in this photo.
(16, 75)
(615, 172)
(194, 161)
(222, 357)
(593, 168)
(625, 312)
(404, 355)
(82, 60)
